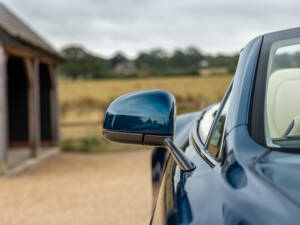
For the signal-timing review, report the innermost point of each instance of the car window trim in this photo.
(257, 110)
(199, 146)
(212, 128)
(198, 125)
(197, 142)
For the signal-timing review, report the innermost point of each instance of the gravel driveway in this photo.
(80, 189)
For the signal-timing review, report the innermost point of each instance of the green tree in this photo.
(81, 64)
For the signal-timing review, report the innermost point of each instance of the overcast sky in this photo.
(106, 26)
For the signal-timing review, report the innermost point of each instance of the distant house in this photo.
(28, 90)
(213, 71)
(122, 65)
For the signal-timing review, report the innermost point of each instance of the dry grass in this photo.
(86, 101)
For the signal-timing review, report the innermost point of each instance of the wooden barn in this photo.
(28, 91)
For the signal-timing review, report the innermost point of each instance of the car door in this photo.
(182, 194)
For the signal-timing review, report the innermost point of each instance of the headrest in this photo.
(283, 104)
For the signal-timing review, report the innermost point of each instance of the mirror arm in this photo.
(182, 161)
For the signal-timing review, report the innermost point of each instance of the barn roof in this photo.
(19, 31)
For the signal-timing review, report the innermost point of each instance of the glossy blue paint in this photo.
(147, 112)
(253, 185)
(242, 85)
(250, 185)
(231, 193)
(282, 170)
(236, 176)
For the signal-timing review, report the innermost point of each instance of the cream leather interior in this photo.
(283, 100)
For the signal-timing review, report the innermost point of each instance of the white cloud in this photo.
(106, 26)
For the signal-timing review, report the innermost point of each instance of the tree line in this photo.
(286, 61)
(82, 64)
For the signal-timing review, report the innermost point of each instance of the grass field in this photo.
(86, 101)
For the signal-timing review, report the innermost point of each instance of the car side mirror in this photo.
(146, 118)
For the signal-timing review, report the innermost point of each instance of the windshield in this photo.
(282, 114)
(207, 121)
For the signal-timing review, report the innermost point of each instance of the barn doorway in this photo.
(45, 105)
(18, 120)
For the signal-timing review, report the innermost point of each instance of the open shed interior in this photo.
(28, 91)
(17, 82)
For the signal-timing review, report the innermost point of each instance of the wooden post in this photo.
(3, 107)
(32, 67)
(54, 104)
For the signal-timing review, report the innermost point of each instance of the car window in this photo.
(215, 141)
(206, 122)
(282, 114)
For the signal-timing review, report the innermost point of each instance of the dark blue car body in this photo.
(251, 184)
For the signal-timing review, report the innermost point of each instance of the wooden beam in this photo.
(54, 104)
(3, 105)
(23, 52)
(32, 67)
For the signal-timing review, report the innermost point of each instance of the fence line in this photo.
(93, 123)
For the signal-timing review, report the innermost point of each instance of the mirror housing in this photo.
(145, 117)
(142, 117)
